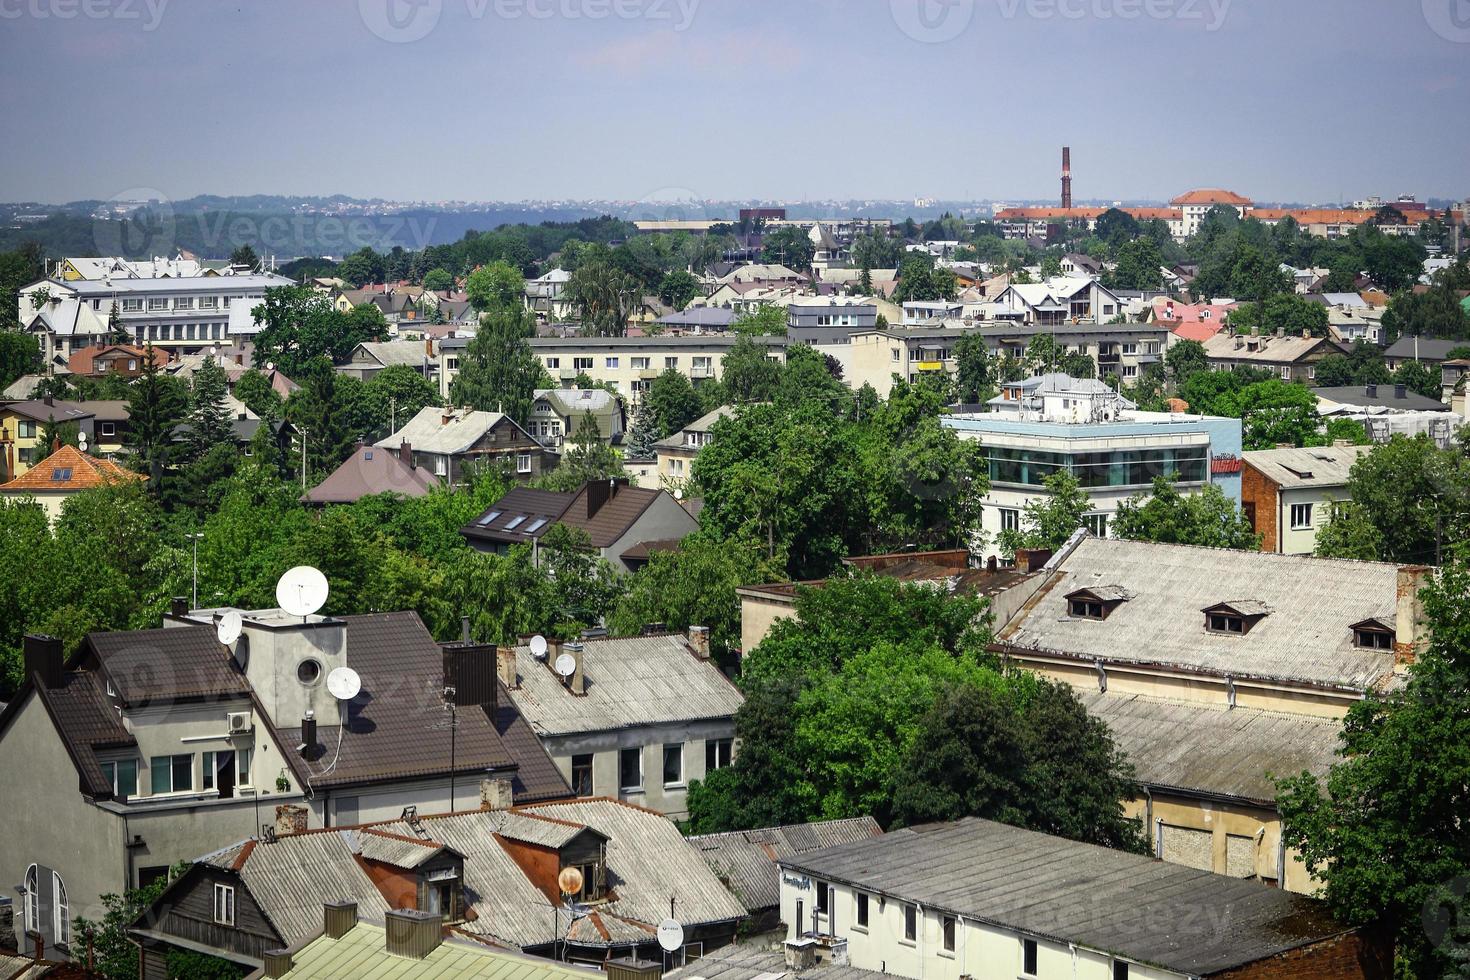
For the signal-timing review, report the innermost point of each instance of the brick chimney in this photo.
(405, 453)
(290, 819)
(496, 794)
(699, 641)
(1411, 633)
(43, 656)
(505, 664)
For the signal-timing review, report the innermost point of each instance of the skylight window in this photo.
(490, 518)
(61, 474)
(515, 522)
(536, 525)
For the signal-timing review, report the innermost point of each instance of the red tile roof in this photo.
(1211, 195)
(84, 360)
(69, 469)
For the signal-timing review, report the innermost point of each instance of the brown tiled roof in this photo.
(85, 722)
(397, 726)
(84, 360)
(521, 502)
(1211, 195)
(612, 520)
(68, 469)
(371, 470)
(38, 410)
(174, 663)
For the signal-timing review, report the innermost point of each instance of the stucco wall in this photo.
(604, 747)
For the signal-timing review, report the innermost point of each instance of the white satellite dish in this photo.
(670, 935)
(229, 627)
(302, 591)
(343, 683)
(566, 665)
(538, 647)
(82, 441)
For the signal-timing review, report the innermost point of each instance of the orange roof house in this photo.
(65, 472)
(1211, 195)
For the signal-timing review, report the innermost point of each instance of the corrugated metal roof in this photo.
(428, 432)
(644, 680)
(543, 832)
(1212, 748)
(401, 852)
(292, 878)
(748, 962)
(362, 955)
(1147, 910)
(1307, 637)
(746, 859)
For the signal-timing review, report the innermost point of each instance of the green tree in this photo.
(499, 372)
(497, 287)
(749, 373)
(790, 246)
(1349, 533)
(254, 391)
(438, 280)
(586, 458)
(114, 951)
(674, 403)
(321, 410)
(116, 332)
(1288, 313)
(1385, 830)
(56, 434)
(1139, 266)
(606, 295)
(209, 418)
(362, 267)
(765, 321)
(1207, 518)
(678, 289)
(393, 396)
(1184, 360)
(644, 432)
(19, 355)
(245, 256)
(302, 331)
(18, 269)
(1419, 379)
(1048, 521)
(156, 405)
(974, 382)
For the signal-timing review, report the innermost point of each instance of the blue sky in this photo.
(1300, 100)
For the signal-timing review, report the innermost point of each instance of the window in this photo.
(862, 910)
(824, 898)
(33, 899)
(26, 430)
(516, 522)
(640, 363)
(1285, 376)
(1097, 524)
(581, 364)
(184, 303)
(612, 363)
(910, 923)
(895, 354)
(1301, 516)
(171, 774)
(123, 776)
(947, 924)
(523, 463)
(1225, 623)
(110, 428)
(1085, 609)
(674, 764)
(553, 363)
(671, 364)
(1369, 638)
(1130, 371)
(1028, 957)
(630, 770)
(582, 775)
(717, 753)
(1120, 970)
(308, 671)
(1010, 519)
(209, 302)
(535, 526)
(157, 304)
(60, 913)
(224, 905)
(132, 305)
(242, 765)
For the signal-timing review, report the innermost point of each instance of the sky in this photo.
(1309, 101)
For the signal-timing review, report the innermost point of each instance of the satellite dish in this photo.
(343, 683)
(270, 365)
(566, 665)
(670, 935)
(82, 441)
(569, 881)
(302, 590)
(229, 626)
(538, 647)
(679, 494)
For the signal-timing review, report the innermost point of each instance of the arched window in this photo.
(33, 904)
(60, 912)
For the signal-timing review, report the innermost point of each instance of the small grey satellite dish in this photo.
(566, 665)
(229, 627)
(538, 647)
(343, 683)
(302, 590)
(670, 935)
(679, 494)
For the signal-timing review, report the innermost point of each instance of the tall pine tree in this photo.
(209, 420)
(499, 372)
(156, 405)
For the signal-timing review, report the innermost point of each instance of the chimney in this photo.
(1032, 559)
(505, 662)
(43, 656)
(290, 819)
(699, 641)
(1239, 342)
(1066, 177)
(471, 670)
(240, 360)
(277, 963)
(1371, 391)
(446, 415)
(178, 607)
(405, 453)
(49, 399)
(1411, 634)
(496, 794)
(992, 564)
(40, 946)
(801, 954)
(632, 968)
(1401, 391)
(338, 918)
(412, 933)
(599, 492)
(308, 734)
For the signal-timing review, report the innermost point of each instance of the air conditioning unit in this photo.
(239, 722)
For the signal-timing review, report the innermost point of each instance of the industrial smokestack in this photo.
(1066, 177)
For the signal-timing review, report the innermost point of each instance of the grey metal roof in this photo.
(292, 878)
(1128, 905)
(745, 961)
(401, 852)
(1428, 348)
(1380, 396)
(428, 432)
(1213, 749)
(533, 829)
(643, 680)
(703, 342)
(1324, 466)
(391, 352)
(1307, 638)
(193, 284)
(745, 860)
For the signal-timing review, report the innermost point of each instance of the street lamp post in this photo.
(195, 539)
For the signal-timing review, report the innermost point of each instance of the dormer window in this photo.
(1235, 618)
(1373, 634)
(1096, 603)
